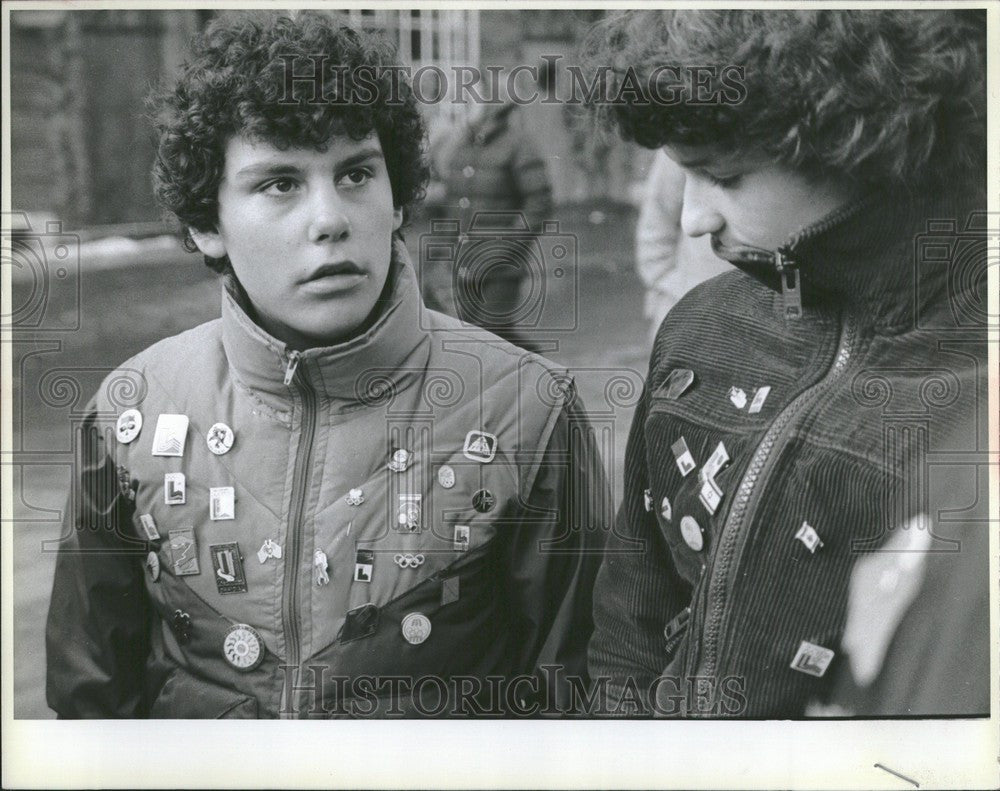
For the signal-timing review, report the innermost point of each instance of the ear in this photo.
(209, 242)
(397, 218)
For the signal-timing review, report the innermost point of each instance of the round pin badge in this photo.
(483, 500)
(446, 476)
(153, 566)
(220, 438)
(128, 426)
(691, 532)
(355, 497)
(400, 460)
(666, 511)
(243, 647)
(416, 628)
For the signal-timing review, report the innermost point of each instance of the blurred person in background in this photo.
(788, 520)
(488, 176)
(670, 263)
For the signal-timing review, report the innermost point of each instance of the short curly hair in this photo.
(235, 84)
(880, 97)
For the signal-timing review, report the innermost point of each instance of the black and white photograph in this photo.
(548, 396)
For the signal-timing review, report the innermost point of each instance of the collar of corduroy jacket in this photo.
(876, 257)
(389, 356)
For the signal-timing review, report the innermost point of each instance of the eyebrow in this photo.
(286, 169)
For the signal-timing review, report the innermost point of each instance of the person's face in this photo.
(308, 234)
(747, 201)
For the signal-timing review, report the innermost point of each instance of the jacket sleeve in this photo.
(555, 555)
(637, 593)
(96, 637)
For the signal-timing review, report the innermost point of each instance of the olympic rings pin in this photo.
(408, 561)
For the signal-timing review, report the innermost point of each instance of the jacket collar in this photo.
(388, 357)
(864, 258)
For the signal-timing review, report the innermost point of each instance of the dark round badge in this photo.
(483, 501)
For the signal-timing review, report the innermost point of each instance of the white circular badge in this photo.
(691, 532)
(416, 628)
(128, 426)
(400, 460)
(446, 476)
(243, 647)
(220, 439)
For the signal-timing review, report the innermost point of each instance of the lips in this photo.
(332, 270)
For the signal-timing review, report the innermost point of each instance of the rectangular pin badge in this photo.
(685, 461)
(710, 495)
(449, 590)
(408, 513)
(715, 463)
(461, 538)
(758, 400)
(174, 492)
(148, 525)
(807, 535)
(170, 436)
(227, 562)
(184, 551)
(221, 503)
(812, 659)
(364, 562)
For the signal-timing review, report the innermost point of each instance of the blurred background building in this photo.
(83, 147)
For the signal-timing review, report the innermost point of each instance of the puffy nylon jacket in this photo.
(746, 508)
(335, 565)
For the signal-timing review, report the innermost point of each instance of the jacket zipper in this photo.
(293, 550)
(725, 562)
(791, 295)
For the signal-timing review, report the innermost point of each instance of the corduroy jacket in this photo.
(387, 529)
(794, 416)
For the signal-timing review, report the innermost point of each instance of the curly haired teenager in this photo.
(786, 552)
(327, 502)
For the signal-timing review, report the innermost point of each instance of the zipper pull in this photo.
(791, 293)
(293, 364)
(320, 562)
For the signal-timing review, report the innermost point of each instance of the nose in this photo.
(698, 214)
(328, 221)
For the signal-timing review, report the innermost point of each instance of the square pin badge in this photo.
(480, 446)
(221, 503)
(812, 659)
(174, 492)
(364, 564)
(171, 433)
(685, 461)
